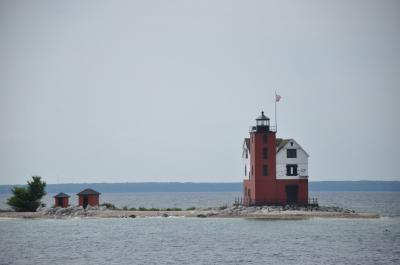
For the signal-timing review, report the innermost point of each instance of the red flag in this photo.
(277, 97)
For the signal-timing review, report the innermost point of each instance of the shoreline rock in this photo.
(252, 212)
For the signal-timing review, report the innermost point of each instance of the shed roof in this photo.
(62, 195)
(89, 192)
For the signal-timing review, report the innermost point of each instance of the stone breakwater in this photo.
(285, 212)
(256, 212)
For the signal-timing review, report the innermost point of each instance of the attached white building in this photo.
(291, 159)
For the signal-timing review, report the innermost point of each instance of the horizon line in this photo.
(190, 182)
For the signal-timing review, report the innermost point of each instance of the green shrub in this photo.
(173, 209)
(157, 209)
(191, 209)
(27, 199)
(109, 206)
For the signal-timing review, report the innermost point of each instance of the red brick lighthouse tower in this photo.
(259, 188)
(276, 170)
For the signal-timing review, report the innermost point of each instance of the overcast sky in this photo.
(129, 91)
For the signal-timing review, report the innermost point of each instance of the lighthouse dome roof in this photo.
(262, 116)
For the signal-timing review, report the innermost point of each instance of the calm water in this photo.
(209, 241)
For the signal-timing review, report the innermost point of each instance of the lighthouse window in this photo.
(265, 153)
(265, 170)
(265, 139)
(291, 153)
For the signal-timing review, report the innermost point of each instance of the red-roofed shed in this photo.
(88, 197)
(61, 200)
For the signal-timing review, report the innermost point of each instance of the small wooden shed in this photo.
(61, 200)
(88, 197)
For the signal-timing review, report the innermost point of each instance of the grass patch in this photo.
(173, 209)
(109, 206)
(148, 209)
(141, 208)
(157, 209)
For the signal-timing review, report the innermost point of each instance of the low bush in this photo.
(109, 206)
(173, 209)
(158, 209)
(223, 207)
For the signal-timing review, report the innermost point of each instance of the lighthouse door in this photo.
(292, 192)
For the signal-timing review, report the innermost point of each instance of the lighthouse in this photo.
(276, 170)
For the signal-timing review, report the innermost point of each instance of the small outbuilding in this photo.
(61, 200)
(88, 197)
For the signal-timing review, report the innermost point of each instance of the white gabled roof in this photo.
(282, 143)
(246, 143)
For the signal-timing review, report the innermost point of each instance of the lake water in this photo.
(209, 241)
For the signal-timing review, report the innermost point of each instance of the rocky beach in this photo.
(256, 212)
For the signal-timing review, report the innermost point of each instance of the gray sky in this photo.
(127, 91)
